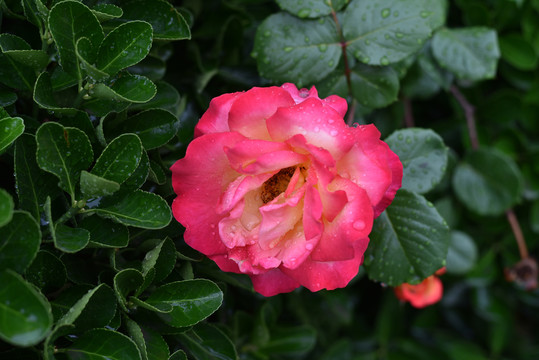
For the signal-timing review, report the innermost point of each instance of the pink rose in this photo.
(426, 293)
(276, 186)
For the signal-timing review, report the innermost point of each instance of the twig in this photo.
(517, 231)
(469, 113)
(408, 114)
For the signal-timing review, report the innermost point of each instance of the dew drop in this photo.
(384, 61)
(303, 13)
(331, 63)
(399, 35)
(333, 132)
(386, 12)
(359, 225)
(288, 49)
(309, 246)
(322, 47)
(424, 14)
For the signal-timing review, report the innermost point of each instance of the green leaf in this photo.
(31, 12)
(178, 355)
(33, 184)
(374, 87)
(423, 155)
(35, 59)
(6, 207)
(125, 282)
(166, 97)
(64, 152)
(129, 88)
(311, 8)
(409, 241)
(69, 239)
(102, 344)
(488, 182)
(161, 258)
(120, 158)
(94, 309)
(462, 253)
(44, 95)
(139, 209)
(192, 301)
(157, 175)
(46, 272)
(300, 51)
(124, 46)
(207, 342)
(13, 73)
(166, 21)
(19, 242)
(87, 53)
(291, 341)
(105, 12)
(93, 186)
(68, 22)
(517, 51)
(470, 53)
(105, 233)
(139, 176)
(10, 130)
(7, 98)
(152, 67)
(25, 314)
(382, 33)
(102, 107)
(154, 127)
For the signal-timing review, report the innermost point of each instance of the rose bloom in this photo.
(276, 186)
(426, 293)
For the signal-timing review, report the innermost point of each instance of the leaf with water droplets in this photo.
(409, 241)
(128, 88)
(19, 242)
(120, 158)
(311, 8)
(10, 130)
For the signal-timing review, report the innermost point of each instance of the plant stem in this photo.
(408, 114)
(469, 113)
(517, 231)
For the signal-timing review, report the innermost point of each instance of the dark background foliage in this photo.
(100, 98)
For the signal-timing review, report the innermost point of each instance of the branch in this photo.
(469, 113)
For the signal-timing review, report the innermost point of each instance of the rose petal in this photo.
(336, 102)
(428, 292)
(249, 112)
(215, 119)
(273, 282)
(395, 166)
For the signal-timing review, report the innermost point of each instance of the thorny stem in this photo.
(408, 114)
(469, 112)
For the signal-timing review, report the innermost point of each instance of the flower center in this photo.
(276, 184)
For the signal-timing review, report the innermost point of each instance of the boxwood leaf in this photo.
(44, 95)
(178, 355)
(64, 152)
(105, 12)
(166, 21)
(135, 333)
(13, 73)
(125, 282)
(68, 22)
(31, 12)
(162, 258)
(86, 53)
(7, 97)
(105, 233)
(166, 97)
(462, 253)
(25, 314)
(470, 53)
(124, 46)
(6, 207)
(311, 8)
(156, 346)
(129, 88)
(157, 175)
(93, 186)
(120, 158)
(488, 182)
(33, 184)
(152, 67)
(206, 342)
(10, 130)
(423, 156)
(291, 341)
(382, 33)
(70, 239)
(139, 176)
(102, 344)
(19, 242)
(154, 127)
(139, 209)
(291, 49)
(36, 59)
(46, 272)
(409, 241)
(94, 309)
(192, 301)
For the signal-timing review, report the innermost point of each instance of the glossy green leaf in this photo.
(192, 301)
(102, 107)
(64, 152)
(86, 53)
(6, 207)
(10, 130)
(7, 98)
(93, 186)
(135, 333)
(35, 59)
(462, 253)
(70, 239)
(125, 282)
(382, 33)
(68, 22)
(470, 53)
(206, 342)
(154, 127)
(44, 95)
(409, 241)
(13, 73)
(19, 242)
(47, 272)
(157, 175)
(139, 176)
(139, 209)
(94, 309)
(178, 355)
(105, 12)
(156, 346)
(33, 184)
(517, 51)
(129, 88)
(124, 46)
(311, 8)
(299, 51)
(374, 87)
(423, 155)
(291, 341)
(488, 182)
(158, 307)
(105, 233)
(166, 21)
(152, 67)
(31, 12)
(61, 80)
(25, 314)
(166, 97)
(102, 344)
(161, 258)
(120, 158)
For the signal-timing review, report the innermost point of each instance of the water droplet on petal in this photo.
(359, 225)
